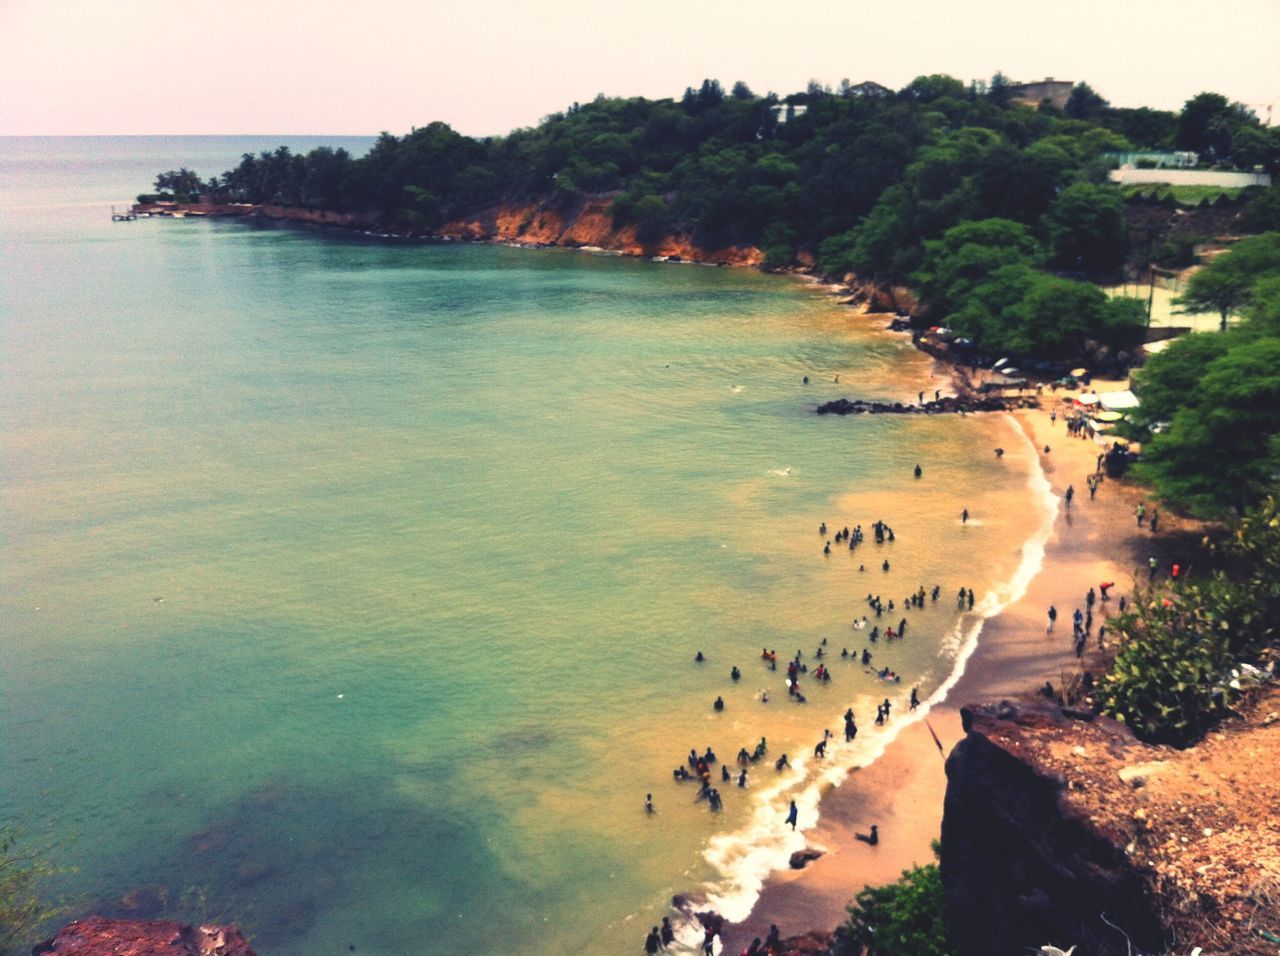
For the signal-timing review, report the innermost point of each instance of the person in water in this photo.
(648, 804)
(793, 816)
(653, 942)
(735, 674)
(698, 657)
(782, 764)
(918, 471)
(668, 933)
(871, 838)
(915, 697)
(719, 704)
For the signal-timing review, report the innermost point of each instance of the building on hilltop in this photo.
(1149, 159)
(1057, 92)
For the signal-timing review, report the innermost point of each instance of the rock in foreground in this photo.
(99, 936)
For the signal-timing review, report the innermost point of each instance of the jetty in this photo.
(128, 216)
(944, 406)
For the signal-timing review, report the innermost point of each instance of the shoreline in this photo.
(902, 790)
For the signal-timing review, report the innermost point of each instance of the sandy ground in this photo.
(903, 791)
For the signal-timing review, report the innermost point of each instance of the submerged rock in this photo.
(99, 936)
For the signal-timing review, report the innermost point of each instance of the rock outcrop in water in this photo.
(99, 936)
(944, 406)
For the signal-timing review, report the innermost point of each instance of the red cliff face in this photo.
(532, 224)
(591, 224)
(99, 936)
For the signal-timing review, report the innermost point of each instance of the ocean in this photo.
(350, 589)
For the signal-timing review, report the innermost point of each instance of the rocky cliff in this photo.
(98, 936)
(587, 223)
(1060, 828)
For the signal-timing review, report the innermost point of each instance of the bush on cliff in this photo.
(901, 919)
(1180, 645)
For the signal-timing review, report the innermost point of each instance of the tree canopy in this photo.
(1216, 396)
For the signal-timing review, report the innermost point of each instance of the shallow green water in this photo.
(350, 590)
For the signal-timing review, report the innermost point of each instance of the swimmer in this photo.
(719, 704)
(735, 674)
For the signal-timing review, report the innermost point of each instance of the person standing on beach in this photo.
(648, 804)
(792, 815)
(1155, 520)
(964, 516)
(1071, 493)
(1141, 513)
(1053, 616)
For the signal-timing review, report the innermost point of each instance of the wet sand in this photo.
(903, 791)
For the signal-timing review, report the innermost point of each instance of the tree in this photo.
(23, 909)
(1221, 451)
(900, 919)
(1084, 103)
(1226, 284)
(967, 255)
(1086, 229)
(1170, 377)
(182, 184)
(1199, 116)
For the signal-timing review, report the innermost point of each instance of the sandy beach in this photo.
(902, 792)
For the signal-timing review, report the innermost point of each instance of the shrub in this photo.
(23, 910)
(902, 919)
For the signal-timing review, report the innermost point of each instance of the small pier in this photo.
(127, 216)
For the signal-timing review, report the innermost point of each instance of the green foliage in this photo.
(868, 178)
(1178, 250)
(23, 907)
(1181, 195)
(1165, 680)
(1085, 229)
(1084, 103)
(1172, 677)
(1226, 284)
(901, 919)
(967, 255)
(1262, 210)
(1221, 451)
(981, 279)
(180, 185)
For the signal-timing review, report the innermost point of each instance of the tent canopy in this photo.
(1119, 401)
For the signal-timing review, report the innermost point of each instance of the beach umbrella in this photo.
(1108, 416)
(999, 362)
(1077, 372)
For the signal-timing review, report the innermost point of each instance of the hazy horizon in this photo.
(286, 68)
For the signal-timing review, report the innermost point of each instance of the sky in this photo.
(489, 66)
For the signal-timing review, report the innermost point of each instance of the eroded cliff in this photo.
(1065, 830)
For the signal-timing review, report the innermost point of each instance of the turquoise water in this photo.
(350, 589)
